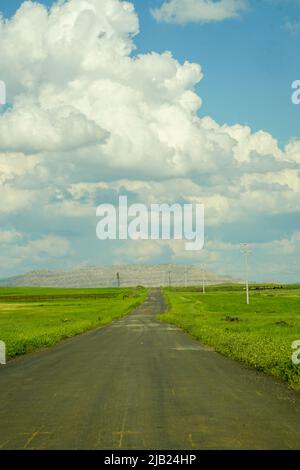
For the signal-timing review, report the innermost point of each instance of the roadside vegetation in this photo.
(260, 334)
(32, 318)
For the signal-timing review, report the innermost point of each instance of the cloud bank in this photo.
(89, 121)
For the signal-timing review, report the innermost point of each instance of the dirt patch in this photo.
(232, 319)
(281, 323)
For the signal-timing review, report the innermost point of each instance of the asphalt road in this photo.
(139, 383)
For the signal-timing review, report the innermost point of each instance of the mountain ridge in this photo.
(106, 276)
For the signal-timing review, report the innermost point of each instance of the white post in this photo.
(2, 353)
(247, 281)
(246, 251)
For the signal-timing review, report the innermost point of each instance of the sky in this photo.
(92, 116)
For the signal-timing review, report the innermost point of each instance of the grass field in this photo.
(32, 318)
(259, 335)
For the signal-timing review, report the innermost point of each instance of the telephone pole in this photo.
(185, 277)
(203, 280)
(170, 272)
(118, 280)
(245, 249)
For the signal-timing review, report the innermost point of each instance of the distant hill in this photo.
(106, 276)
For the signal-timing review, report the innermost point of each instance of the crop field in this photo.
(32, 318)
(260, 334)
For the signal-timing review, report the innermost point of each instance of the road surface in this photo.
(141, 384)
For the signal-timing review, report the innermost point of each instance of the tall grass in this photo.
(31, 323)
(259, 335)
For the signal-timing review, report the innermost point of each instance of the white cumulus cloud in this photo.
(89, 120)
(199, 11)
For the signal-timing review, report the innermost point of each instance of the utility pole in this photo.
(118, 280)
(185, 276)
(170, 272)
(203, 280)
(245, 249)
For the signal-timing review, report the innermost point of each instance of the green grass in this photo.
(262, 333)
(32, 318)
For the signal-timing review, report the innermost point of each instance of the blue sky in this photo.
(248, 64)
(92, 119)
